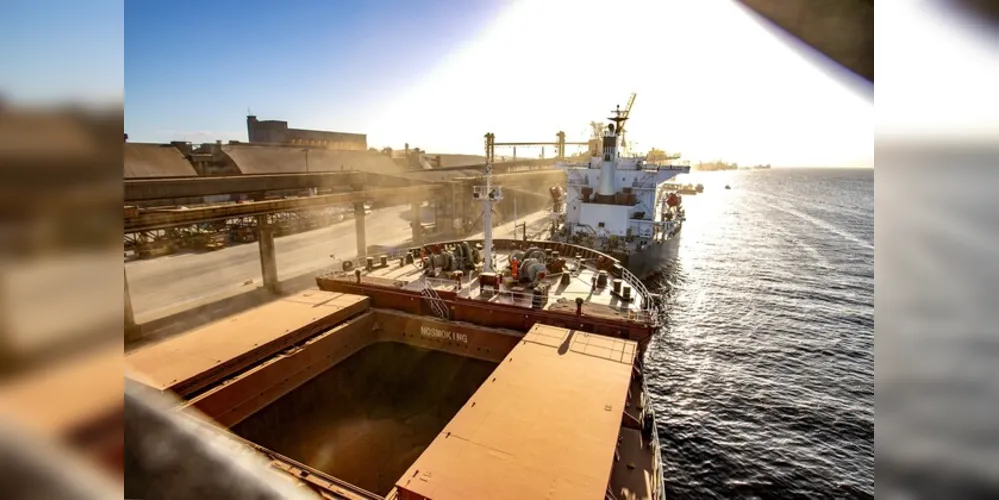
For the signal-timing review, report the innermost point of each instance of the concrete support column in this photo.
(445, 213)
(449, 210)
(417, 223)
(131, 328)
(362, 246)
(515, 215)
(438, 220)
(268, 256)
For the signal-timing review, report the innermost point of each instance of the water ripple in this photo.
(763, 378)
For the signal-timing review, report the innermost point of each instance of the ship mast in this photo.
(488, 194)
(487, 221)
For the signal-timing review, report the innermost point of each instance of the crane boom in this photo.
(631, 102)
(624, 114)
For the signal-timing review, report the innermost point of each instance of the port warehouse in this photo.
(181, 176)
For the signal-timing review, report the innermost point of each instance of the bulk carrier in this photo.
(492, 368)
(622, 205)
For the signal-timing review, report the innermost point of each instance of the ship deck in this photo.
(561, 413)
(546, 424)
(597, 301)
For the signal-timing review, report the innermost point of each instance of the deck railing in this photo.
(658, 488)
(650, 305)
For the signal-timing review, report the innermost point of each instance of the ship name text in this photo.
(440, 334)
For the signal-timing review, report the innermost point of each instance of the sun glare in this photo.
(712, 83)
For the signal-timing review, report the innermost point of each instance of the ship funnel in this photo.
(608, 169)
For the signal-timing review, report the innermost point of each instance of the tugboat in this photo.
(622, 206)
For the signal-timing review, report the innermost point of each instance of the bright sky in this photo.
(712, 81)
(42, 42)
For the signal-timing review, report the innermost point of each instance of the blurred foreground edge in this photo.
(60, 429)
(842, 30)
(170, 454)
(36, 468)
(60, 203)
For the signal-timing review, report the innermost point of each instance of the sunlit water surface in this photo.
(763, 380)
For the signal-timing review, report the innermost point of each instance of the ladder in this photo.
(437, 304)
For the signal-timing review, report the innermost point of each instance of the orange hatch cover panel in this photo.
(205, 355)
(544, 425)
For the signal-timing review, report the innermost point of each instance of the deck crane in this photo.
(624, 116)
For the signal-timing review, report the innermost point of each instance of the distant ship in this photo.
(622, 206)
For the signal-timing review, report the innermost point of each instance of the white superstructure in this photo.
(618, 204)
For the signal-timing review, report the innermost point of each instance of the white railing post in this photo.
(636, 284)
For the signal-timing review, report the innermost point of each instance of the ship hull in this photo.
(652, 258)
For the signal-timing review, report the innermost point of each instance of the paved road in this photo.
(169, 284)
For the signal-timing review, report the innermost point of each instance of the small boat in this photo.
(727, 186)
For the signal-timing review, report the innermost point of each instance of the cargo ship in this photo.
(488, 368)
(622, 206)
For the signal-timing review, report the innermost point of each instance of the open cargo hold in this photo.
(368, 418)
(321, 379)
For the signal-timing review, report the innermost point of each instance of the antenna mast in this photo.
(488, 194)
